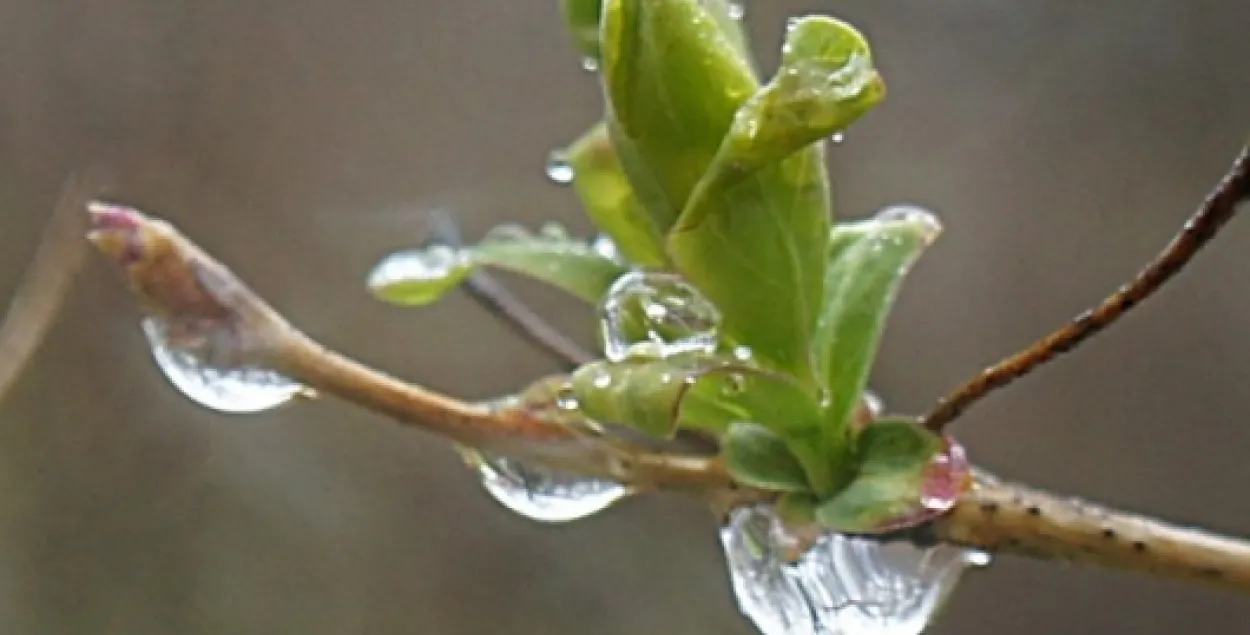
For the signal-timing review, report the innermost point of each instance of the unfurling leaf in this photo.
(421, 276)
(752, 234)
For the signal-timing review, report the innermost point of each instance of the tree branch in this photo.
(1216, 210)
(499, 302)
(175, 279)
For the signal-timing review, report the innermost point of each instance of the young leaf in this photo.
(826, 82)
(752, 236)
(673, 79)
(894, 457)
(421, 276)
(643, 395)
(868, 260)
(760, 457)
(756, 250)
(732, 393)
(610, 202)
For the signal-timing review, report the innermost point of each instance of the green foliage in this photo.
(712, 183)
(417, 277)
(893, 457)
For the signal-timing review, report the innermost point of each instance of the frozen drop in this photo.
(201, 369)
(655, 315)
(841, 585)
(543, 495)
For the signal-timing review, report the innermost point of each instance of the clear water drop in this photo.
(838, 137)
(876, 407)
(912, 214)
(434, 264)
(743, 353)
(606, 247)
(566, 400)
(543, 495)
(737, 9)
(200, 368)
(553, 231)
(842, 585)
(648, 315)
(590, 64)
(558, 168)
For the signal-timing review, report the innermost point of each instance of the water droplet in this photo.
(506, 232)
(838, 137)
(606, 247)
(590, 64)
(874, 403)
(433, 264)
(567, 400)
(602, 381)
(553, 231)
(843, 585)
(543, 495)
(653, 315)
(198, 363)
(946, 477)
(734, 385)
(737, 9)
(558, 168)
(912, 214)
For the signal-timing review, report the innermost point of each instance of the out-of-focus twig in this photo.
(176, 279)
(499, 302)
(1215, 211)
(34, 307)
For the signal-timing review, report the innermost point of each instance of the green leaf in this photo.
(673, 79)
(728, 16)
(757, 456)
(643, 395)
(421, 276)
(825, 83)
(756, 249)
(731, 393)
(893, 458)
(609, 199)
(868, 261)
(752, 236)
(582, 17)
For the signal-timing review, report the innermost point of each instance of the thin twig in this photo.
(507, 308)
(1013, 518)
(1216, 210)
(174, 278)
(43, 288)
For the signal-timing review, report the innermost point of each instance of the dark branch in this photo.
(496, 299)
(1216, 210)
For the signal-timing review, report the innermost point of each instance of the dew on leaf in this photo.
(911, 214)
(543, 495)
(606, 247)
(647, 315)
(420, 271)
(842, 585)
(198, 364)
(558, 168)
(838, 137)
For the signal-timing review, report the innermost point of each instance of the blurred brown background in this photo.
(1062, 143)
